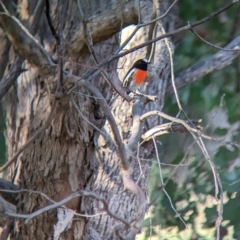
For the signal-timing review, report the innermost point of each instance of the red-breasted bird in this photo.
(136, 75)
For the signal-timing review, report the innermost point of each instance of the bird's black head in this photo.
(141, 64)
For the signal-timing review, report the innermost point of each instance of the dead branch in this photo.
(127, 180)
(161, 179)
(182, 29)
(55, 205)
(169, 128)
(105, 25)
(217, 61)
(93, 72)
(29, 48)
(211, 44)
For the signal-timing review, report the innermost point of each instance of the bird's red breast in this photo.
(139, 76)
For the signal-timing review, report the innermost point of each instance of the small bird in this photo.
(136, 75)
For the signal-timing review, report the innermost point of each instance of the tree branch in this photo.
(105, 25)
(217, 61)
(169, 128)
(55, 205)
(127, 180)
(93, 72)
(25, 44)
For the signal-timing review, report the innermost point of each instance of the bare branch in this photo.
(182, 29)
(55, 205)
(163, 188)
(170, 51)
(93, 72)
(211, 44)
(110, 118)
(25, 44)
(34, 19)
(169, 128)
(170, 118)
(160, 17)
(217, 61)
(50, 24)
(104, 26)
(127, 180)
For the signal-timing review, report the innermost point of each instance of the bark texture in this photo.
(71, 154)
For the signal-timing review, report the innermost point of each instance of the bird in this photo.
(136, 75)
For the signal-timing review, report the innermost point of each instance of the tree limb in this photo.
(217, 61)
(93, 72)
(25, 44)
(105, 25)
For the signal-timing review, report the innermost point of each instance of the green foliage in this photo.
(192, 187)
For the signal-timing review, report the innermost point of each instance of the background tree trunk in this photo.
(71, 154)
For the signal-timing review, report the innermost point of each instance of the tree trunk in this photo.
(72, 154)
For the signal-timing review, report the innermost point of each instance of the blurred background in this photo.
(216, 100)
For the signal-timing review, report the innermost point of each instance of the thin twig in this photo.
(191, 128)
(50, 200)
(87, 35)
(211, 44)
(160, 17)
(203, 67)
(93, 125)
(172, 73)
(28, 217)
(163, 188)
(50, 24)
(127, 180)
(199, 141)
(93, 72)
(170, 127)
(35, 42)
